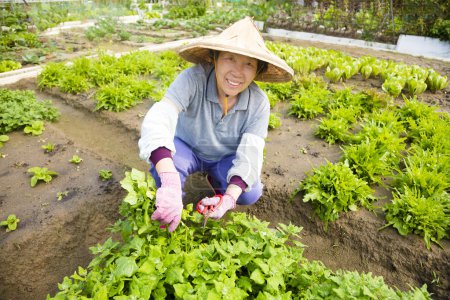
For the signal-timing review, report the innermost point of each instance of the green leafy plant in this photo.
(333, 130)
(42, 174)
(237, 258)
(76, 159)
(35, 128)
(435, 81)
(11, 223)
(61, 195)
(335, 74)
(73, 83)
(332, 189)
(412, 212)
(50, 75)
(427, 171)
(415, 86)
(49, 147)
(393, 86)
(3, 139)
(308, 103)
(274, 121)
(105, 174)
(9, 65)
(20, 108)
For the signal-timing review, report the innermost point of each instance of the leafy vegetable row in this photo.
(118, 82)
(238, 258)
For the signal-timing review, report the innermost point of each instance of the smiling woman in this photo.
(213, 119)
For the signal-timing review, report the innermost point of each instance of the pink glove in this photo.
(228, 202)
(168, 200)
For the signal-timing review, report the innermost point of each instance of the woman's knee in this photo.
(250, 197)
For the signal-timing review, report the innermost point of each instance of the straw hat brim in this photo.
(199, 52)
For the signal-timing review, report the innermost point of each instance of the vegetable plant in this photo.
(11, 223)
(333, 189)
(274, 121)
(427, 171)
(3, 138)
(9, 65)
(42, 174)
(308, 103)
(76, 159)
(105, 174)
(49, 147)
(21, 108)
(61, 195)
(412, 212)
(35, 128)
(435, 81)
(333, 130)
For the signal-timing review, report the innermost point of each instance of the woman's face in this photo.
(234, 73)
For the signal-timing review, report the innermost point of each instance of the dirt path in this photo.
(54, 236)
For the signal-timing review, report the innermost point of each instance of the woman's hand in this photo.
(228, 202)
(169, 205)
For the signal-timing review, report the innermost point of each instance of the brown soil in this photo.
(53, 236)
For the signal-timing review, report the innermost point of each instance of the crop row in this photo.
(238, 258)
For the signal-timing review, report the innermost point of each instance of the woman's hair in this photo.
(261, 67)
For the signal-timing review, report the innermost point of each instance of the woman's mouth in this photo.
(233, 83)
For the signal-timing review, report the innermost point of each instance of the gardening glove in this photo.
(168, 200)
(228, 202)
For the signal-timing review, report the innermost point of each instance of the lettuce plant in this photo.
(274, 121)
(10, 223)
(76, 159)
(3, 139)
(435, 81)
(105, 175)
(393, 86)
(43, 174)
(308, 103)
(415, 86)
(333, 130)
(9, 65)
(412, 212)
(35, 128)
(333, 189)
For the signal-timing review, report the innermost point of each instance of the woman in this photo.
(213, 119)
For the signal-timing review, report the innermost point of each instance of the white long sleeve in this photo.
(158, 128)
(249, 159)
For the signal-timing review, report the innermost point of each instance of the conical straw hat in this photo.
(242, 38)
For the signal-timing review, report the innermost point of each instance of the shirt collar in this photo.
(211, 93)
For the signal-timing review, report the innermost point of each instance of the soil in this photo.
(53, 237)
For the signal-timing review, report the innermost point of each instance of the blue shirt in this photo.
(200, 122)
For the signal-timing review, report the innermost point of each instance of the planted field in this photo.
(360, 168)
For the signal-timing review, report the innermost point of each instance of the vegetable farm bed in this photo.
(53, 236)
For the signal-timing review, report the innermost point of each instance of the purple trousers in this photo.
(187, 163)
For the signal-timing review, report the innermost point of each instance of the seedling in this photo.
(35, 128)
(76, 159)
(49, 147)
(3, 139)
(105, 175)
(43, 174)
(61, 195)
(11, 223)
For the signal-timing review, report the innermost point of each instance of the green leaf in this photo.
(257, 276)
(125, 267)
(175, 275)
